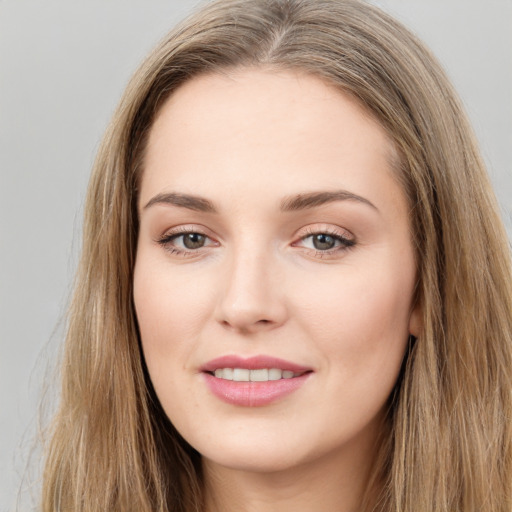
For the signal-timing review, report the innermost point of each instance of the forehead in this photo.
(248, 91)
(264, 128)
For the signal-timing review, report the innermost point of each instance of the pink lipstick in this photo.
(253, 382)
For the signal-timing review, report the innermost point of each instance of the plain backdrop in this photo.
(63, 66)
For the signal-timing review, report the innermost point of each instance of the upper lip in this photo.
(252, 363)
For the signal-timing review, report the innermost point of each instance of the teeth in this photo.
(274, 374)
(258, 375)
(227, 373)
(241, 374)
(224, 373)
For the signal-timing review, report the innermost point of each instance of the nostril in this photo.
(247, 327)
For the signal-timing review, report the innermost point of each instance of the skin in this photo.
(247, 142)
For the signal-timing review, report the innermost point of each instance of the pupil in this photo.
(323, 242)
(193, 240)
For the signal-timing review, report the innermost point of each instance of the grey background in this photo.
(63, 66)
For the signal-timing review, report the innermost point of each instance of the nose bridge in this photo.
(251, 298)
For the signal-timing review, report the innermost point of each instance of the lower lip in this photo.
(253, 394)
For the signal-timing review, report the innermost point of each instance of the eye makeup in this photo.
(320, 242)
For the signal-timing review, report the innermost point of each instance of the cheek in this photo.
(360, 319)
(164, 331)
(170, 306)
(158, 305)
(364, 337)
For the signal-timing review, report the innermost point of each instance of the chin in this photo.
(253, 460)
(247, 453)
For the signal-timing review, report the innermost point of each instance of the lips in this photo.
(252, 382)
(252, 363)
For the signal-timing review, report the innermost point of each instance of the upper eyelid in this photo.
(313, 229)
(184, 229)
(300, 234)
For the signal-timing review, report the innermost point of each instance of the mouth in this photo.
(256, 375)
(253, 382)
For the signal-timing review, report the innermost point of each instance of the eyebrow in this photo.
(293, 203)
(314, 199)
(196, 203)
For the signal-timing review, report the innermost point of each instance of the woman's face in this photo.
(275, 272)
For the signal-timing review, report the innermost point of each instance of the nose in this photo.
(252, 297)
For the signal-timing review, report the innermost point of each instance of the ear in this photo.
(416, 320)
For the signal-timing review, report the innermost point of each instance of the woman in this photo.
(295, 290)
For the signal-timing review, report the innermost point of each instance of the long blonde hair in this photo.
(449, 445)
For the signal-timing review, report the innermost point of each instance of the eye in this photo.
(322, 241)
(185, 241)
(326, 242)
(192, 240)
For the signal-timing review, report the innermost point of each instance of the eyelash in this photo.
(345, 243)
(166, 241)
